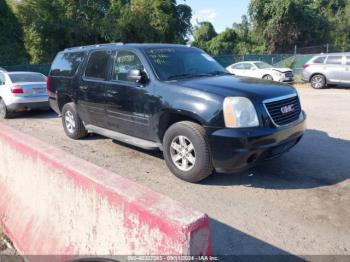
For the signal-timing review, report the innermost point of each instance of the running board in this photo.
(138, 142)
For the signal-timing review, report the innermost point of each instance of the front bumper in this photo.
(234, 150)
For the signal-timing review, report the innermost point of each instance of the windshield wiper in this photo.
(218, 73)
(187, 75)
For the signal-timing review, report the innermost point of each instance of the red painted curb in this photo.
(55, 203)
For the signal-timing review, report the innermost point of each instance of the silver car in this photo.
(22, 91)
(327, 69)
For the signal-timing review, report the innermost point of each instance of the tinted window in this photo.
(98, 65)
(334, 60)
(180, 62)
(66, 64)
(124, 62)
(348, 60)
(30, 77)
(320, 60)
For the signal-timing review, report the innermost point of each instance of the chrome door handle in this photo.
(83, 88)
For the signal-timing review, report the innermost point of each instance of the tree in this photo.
(283, 23)
(58, 24)
(203, 33)
(12, 49)
(224, 43)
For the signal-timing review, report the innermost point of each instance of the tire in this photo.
(4, 112)
(318, 81)
(72, 124)
(268, 77)
(198, 160)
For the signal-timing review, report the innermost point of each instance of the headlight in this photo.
(239, 112)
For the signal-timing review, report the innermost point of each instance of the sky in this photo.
(221, 13)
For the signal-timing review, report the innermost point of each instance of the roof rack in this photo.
(92, 46)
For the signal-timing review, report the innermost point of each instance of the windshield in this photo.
(263, 65)
(30, 77)
(180, 62)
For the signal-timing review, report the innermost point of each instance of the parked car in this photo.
(327, 69)
(177, 99)
(22, 91)
(258, 69)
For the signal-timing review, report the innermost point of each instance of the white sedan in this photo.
(258, 69)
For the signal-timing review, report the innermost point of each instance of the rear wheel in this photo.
(186, 151)
(4, 112)
(318, 81)
(73, 126)
(268, 77)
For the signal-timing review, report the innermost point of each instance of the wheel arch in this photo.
(170, 117)
(312, 75)
(63, 99)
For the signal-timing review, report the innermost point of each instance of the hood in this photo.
(252, 88)
(282, 70)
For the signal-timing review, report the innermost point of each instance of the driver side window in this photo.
(124, 62)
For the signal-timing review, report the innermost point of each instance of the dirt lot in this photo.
(297, 204)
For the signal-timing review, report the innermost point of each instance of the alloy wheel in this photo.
(69, 121)
(183, 153)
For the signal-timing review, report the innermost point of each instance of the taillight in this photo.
(17, 89)
(48, 84)
(306, 66)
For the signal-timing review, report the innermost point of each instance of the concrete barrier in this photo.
(54, 203)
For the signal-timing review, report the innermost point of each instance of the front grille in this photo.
(284, 111)
(289, 74)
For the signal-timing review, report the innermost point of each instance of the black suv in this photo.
(177, 99)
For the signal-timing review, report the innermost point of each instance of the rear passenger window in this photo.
(320, 60)
(334, 60)
(97, 65)
(66, 64)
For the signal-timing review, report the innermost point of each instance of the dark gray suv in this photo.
(328, 69)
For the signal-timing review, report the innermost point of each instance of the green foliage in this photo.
(283, 23)
(12, 49)
(240, 39)
(57, 24)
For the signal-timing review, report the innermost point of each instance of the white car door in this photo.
(237, 69)
(252, 71)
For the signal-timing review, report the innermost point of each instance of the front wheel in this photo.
(268, 77)
(187, 152)
(73, 126)
(318, 81)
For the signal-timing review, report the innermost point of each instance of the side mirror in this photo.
(137, 76)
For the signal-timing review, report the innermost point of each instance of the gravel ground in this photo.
(297, 204)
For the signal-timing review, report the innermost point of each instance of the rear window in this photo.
(320, 60)
(22, 77)
(334, 60)
(66, 64)
(348, 60)
(98, 65)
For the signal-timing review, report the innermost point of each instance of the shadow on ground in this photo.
(36, 114)
(318, 160)
(244, 246)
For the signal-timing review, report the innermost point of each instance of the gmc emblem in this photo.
(287, 109)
